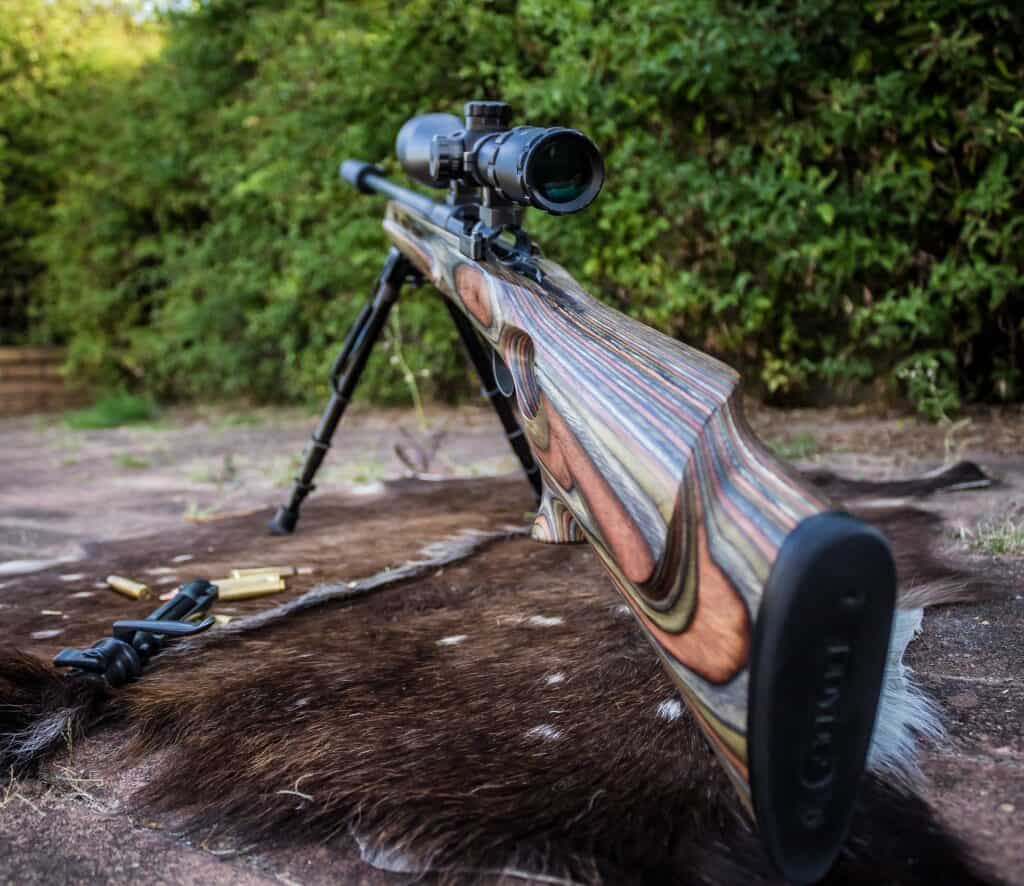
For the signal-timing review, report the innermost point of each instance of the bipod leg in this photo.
(482, 361)
(345, 374)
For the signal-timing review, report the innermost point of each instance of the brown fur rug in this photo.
(491, 712)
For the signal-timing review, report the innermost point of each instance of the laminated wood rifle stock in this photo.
(770, 611)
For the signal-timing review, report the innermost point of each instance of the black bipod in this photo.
(349, 366)
(122, 657)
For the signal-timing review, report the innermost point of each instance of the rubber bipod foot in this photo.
(284, 521)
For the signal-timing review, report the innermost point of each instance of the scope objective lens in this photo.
(561, 170)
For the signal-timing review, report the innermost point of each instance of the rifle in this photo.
(770, 610)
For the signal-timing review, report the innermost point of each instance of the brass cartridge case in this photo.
(134, 589)
(276, 571)
(271, 570)
(248, 587)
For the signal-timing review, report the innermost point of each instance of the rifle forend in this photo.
(770, 610)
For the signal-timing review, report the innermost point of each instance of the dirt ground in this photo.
(67, 495)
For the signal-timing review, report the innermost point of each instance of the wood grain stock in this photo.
(645, 454)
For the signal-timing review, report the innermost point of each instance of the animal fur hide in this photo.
(482, 715)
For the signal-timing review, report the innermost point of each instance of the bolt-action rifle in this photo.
(770, 610)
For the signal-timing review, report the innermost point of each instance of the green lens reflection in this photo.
(561, 169)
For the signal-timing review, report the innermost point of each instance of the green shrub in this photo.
(57, 62)
(818, 191)
(113, 411)
(930, 385)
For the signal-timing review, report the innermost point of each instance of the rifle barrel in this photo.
(371, 180)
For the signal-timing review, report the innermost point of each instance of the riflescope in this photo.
(558, 170)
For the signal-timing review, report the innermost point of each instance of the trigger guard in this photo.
(503, 380)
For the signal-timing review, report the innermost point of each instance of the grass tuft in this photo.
(132, 462)
(795, 447)
(1000, 537)
(238, 419)
(112, 411)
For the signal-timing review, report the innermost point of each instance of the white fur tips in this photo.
(670, 709)
(545, 621)
(388, 858)
(544, 731)
(453, 640)
(905, 713)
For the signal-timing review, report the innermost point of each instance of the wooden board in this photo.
(32, 381)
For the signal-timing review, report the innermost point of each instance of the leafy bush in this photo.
(815, 190)
(930, 386)
(56, 61)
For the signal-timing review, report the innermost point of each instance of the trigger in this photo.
(554, 523)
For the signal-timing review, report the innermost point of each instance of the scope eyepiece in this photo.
(557, 170)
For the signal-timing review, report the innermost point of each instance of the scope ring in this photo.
(498, 139)
(511, 255)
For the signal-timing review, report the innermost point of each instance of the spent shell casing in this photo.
(263, 570)
(248, 587)
(134, 589)
(248, 581)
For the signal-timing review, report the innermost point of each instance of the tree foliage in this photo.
(827, 193)
(58, 61)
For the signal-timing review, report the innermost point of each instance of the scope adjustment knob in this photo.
(487, 115)
(446, 159)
